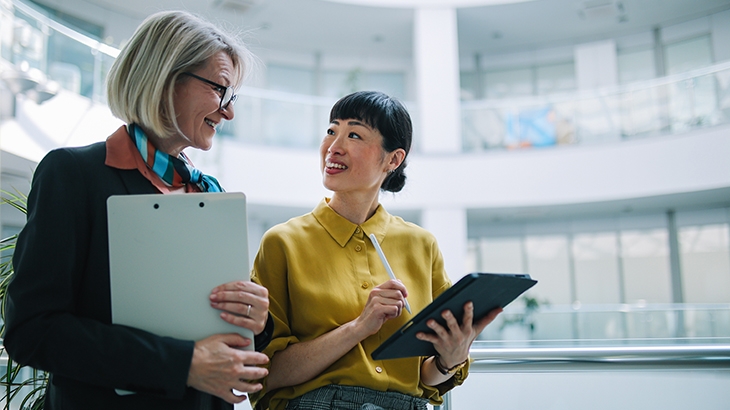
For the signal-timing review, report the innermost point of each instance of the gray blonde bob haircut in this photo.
(141, 82)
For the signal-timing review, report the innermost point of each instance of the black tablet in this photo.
(487, 290)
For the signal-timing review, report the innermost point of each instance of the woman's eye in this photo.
(330, 132)
(353, 135)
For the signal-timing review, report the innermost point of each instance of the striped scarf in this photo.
(175, 172)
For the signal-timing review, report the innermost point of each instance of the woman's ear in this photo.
(397, 157)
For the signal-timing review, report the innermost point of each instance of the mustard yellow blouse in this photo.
(319, 269)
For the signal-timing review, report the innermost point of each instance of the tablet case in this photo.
(167, 252)
(487, 290)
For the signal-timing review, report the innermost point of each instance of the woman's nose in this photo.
(228, 112)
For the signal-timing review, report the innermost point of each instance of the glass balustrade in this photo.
(610, 324)
(52, 55)
(670, 105)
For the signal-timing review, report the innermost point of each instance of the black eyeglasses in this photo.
(227, 95)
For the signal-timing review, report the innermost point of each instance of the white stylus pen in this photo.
(374, 240)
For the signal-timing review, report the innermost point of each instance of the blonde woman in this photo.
(173, 84)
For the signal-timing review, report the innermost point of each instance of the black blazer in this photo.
(58, 315)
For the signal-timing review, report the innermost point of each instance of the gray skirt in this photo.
(355, 398)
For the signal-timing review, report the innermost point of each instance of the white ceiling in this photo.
(335, 28)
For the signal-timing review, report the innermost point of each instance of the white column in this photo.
(436, 59)
(438, 131)
(596, 67)
(596, 64)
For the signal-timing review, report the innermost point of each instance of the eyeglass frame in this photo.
(220, 88)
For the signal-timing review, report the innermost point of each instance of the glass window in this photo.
(548, 262)
(688, 55)
(290, 79)
(596, 267)
(469, 85)
(555, 78)
(635, 65)
(508, 83)
(646, 271)
(392, 84)
(501, 255)
(336, 84)
(705, 263)
(72, 64)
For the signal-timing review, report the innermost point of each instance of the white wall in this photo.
(638, 390)
(595, 65)
(551, 176)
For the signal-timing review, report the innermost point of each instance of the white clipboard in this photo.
(167, 252)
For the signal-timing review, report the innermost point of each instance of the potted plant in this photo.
(20, 384)
(521, 326)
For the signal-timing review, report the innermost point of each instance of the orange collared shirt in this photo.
(121, 153)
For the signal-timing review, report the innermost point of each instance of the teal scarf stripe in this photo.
(163, 167)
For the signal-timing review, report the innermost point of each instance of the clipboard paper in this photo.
(486, 290)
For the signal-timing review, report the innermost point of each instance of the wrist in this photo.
(448, 371)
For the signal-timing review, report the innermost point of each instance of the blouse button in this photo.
(357, 230)
(365, 285)
(358, 248)
(379, 369)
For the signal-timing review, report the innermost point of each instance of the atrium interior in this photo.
(584, 142)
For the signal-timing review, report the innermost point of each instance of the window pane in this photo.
(555, 78)
(548, 262)
(501, 255)
(469, 83)
(688, 55)
(705, 263)
(636, 66)
(512, 83)
(392, 84)
(596, 268)
(645, 257)
(290, 79)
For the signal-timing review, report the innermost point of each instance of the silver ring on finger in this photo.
(248, 312)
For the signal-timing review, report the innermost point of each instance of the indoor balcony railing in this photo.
(663, 106)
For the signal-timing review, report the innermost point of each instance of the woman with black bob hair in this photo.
(331, 298)
(389, 117)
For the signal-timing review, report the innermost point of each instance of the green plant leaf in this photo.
(31, 387)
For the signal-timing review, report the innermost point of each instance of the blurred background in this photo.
(586, 143)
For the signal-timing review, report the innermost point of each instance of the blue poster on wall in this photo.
(532, 128)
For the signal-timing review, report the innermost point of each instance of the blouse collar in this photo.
(342, 230)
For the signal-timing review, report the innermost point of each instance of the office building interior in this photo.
(583, 142)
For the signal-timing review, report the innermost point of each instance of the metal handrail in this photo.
(590, 358)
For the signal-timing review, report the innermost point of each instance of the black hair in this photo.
(389, 117)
